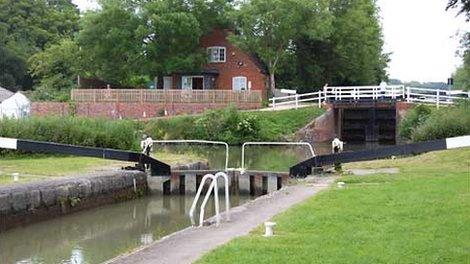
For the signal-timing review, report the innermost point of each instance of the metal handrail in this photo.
(213, 187)
(312, 151)
(201, 142)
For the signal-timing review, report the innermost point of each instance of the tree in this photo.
(351, 55)
(13, 72)
(464, 6)
(57, 68)
(111, 42)
(174, 28)
(462, 74)
(28, 27)
(268, 28)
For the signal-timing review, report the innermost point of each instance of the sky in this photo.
(420, 34)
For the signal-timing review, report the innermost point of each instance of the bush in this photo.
(445, 123)
(413, 119)
(76, 131)
(227, 125)
(233, 126)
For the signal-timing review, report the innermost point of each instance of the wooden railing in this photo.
(165, 96)
(355, 93)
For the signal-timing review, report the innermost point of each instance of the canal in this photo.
(96, 235)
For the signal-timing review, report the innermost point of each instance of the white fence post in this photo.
(319, 99)
(408, 99)
(438, 95)
(296, 101)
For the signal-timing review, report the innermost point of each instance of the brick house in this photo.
(228, 68)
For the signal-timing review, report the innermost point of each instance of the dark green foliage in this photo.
(351, 55)
(445, 123)
(13, 72)
(57, 68)
(111, 40)
(422, 123)
(414, 118)
(75, 131)
(28, 27)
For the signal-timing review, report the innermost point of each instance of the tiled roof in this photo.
(5, 94)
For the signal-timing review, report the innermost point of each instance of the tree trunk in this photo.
(272, 83)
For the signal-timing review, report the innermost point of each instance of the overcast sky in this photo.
(420, 34)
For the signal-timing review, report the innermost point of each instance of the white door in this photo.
(167, 82)
(239, 83)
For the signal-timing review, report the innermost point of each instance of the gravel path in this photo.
(190, 244)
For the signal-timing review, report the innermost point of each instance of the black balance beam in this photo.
(157, 168)
(304, 168)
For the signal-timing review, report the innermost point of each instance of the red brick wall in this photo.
(49, 109)
(238, 63)
(127, 110)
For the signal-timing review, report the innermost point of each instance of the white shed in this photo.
(13, 105)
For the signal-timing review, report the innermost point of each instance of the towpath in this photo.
(190, 244)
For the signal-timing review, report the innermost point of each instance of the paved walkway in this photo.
(190, 244)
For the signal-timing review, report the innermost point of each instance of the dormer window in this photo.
(216, 54)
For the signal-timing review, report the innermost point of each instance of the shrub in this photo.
(233, 126)
(414, 118)
(444, 123)
(76, 131)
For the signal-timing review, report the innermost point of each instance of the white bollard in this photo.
(269, 229)
(16, 177)
(341, 185)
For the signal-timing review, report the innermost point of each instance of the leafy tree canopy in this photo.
(111, 43)
(269, 27)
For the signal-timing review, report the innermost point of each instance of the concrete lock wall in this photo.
(186, 182)
(32, 202)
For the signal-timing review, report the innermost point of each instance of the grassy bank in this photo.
(421, 215)
(233, 127)
(44, 167)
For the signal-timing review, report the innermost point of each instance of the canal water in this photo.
(262, 158)
(96, 235)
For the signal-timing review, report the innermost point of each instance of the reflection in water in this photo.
(100, 234)
(263, 158)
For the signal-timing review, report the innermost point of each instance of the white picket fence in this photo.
(357, 93)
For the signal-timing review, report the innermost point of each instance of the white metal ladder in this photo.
(213, 187)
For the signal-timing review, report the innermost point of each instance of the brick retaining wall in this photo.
(127, 110)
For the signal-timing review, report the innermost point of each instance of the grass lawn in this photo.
(421, 215)
(41, 167)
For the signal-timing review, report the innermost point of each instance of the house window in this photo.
(239, 83)
(192, 83)
(216, 54)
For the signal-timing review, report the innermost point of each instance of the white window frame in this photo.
(190, 77)
(217, 60)
(235, 83)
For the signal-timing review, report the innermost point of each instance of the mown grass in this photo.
(421, 215)
(43, 165)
